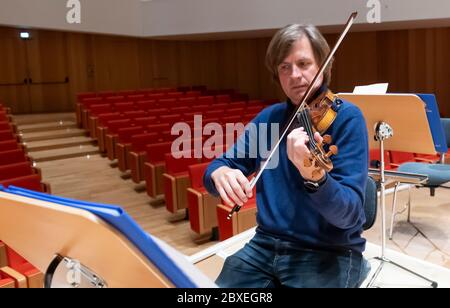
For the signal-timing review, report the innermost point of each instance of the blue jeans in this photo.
(268, 262)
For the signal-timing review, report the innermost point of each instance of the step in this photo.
(64, 153)
(47, 126)
(52, 144)
(56, 134)
(42, 118)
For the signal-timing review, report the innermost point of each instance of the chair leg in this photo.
(432, 191)
(394, 210)
(409, 204)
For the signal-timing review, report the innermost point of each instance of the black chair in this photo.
(370, 203)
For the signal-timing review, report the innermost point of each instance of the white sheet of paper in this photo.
(377, 88)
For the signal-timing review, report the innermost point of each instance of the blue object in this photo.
(438, 174)
(446, 127)
(120, 220)
(434, 121)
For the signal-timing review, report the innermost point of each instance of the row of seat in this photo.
(16, 167)
(16, 272)
(163, 98)
(141, 141)
(96, 115)
(104, 94)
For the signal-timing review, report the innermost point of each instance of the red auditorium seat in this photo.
(137, 155)
(33, 277)
(110, 135)
(205, 100)
(3, 255)
(187, 101)
(193, 94)
(155, 167)
(146, 105)
(93, 114)
(6, 135)
(9, 145)
(123, 138)
(136, 97)
(374, 156)
(99, 127)
(176, 180)
(124, 107)
(114, 99)
(398, 158)
(202, 205)
(4, 116)
(32, 182)
(4, 125)
(239, 222)
(123, 145)
(17, 170)
(12, 157)
(174, 95)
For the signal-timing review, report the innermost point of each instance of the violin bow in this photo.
(301, 106)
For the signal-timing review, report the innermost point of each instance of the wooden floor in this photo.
(94, 178)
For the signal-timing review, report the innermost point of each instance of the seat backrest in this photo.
(446, 125)
(370, 203)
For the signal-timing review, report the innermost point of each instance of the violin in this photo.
(307, 115)
(318, 117)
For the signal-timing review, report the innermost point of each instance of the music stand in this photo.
(99, 243)
(397, 122)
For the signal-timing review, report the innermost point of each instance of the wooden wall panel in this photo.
(393, 59)
(146, 67)
(442, 70)
(355, 62)
(116, 61)
(248, 67)
(188, 63)
(421, 64)
(165, 64)
(48, 69)
(80, 64)
(227, 68)
(268, 88)
(13, 71)
(209, 64)
(410, 60)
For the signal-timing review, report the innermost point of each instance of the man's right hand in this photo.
(232, 185)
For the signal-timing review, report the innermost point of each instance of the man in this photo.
(309, 229)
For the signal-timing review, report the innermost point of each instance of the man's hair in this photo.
(281, 45)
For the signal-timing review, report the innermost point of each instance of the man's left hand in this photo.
(298, 151)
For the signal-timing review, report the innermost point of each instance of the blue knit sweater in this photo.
(330, 218)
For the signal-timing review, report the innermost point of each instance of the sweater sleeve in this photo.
(242, 155)
(340, 199)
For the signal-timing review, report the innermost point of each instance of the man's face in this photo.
(298, 69)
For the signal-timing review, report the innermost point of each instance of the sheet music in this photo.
(377, 88)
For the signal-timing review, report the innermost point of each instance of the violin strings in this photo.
(307, 125)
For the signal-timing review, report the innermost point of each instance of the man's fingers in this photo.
(237, 188)
(318, 137)
(224, 196)
(230, 193)
(245, 184)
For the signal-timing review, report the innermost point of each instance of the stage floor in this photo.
(210, 262)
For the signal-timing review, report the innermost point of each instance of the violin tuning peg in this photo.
(333, 151)
(327, 139)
